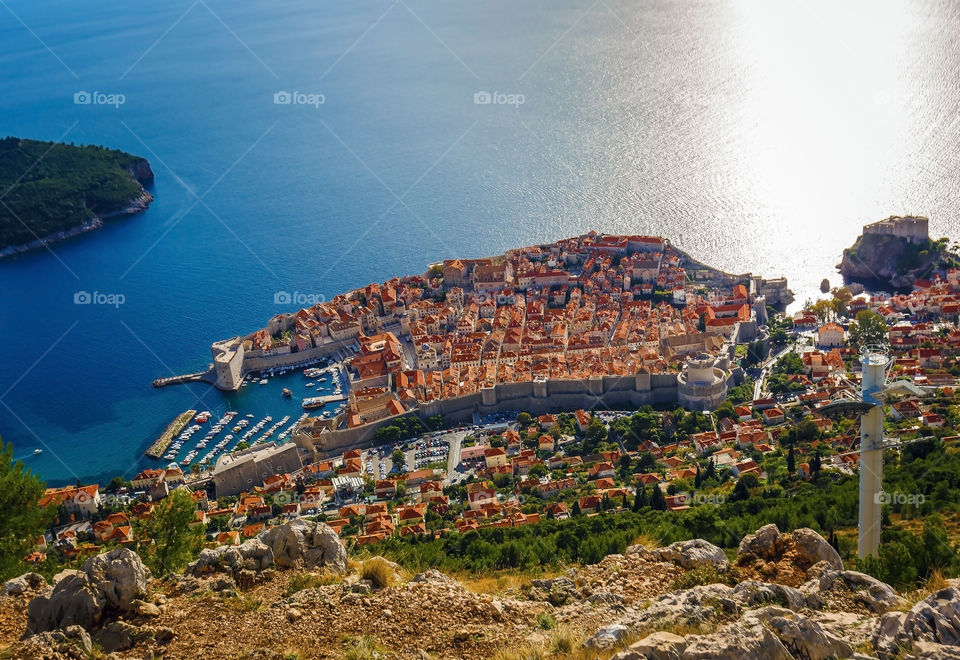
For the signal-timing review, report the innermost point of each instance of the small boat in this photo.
(264, 381)
(287, 393)
(313, 403)
(310, 384)
(37, 451)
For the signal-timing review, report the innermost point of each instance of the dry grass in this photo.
(934, 583)
(379, 571)
(301, 581)
(565, 644)
(363, 647)
(647, 541)
(565, 641)
(243, 603)
(501, 581)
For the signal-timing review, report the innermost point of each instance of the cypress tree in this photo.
(657, 500)
(791, 461)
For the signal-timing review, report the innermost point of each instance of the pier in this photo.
(173, 428)
(207, 376)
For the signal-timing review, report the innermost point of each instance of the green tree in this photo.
(21, 520)
(399, 460)
(791, 461)
(868, 328)
(524, 419)
(657, 501)
(168, 539)
(117, 483)
(539, 470)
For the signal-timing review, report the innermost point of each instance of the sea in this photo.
(305, 147)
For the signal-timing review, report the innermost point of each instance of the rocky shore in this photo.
(138, 171)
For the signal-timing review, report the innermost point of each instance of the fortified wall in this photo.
(231, 362)
(536, 397)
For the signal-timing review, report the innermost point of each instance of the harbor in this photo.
(267, 407)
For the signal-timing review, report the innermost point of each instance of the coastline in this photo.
(131, 207)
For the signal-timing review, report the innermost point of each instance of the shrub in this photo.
(546, 621)
(702, 575)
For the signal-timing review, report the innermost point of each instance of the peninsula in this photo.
(627, 319)
(52, 191)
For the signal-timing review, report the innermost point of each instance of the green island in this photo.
(51, 191)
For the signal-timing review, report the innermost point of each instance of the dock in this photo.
(207, 376)
(173, 429)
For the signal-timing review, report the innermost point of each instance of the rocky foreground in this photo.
(291, 593)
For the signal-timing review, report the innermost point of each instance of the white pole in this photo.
(871, 459)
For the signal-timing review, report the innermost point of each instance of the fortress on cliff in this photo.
(912, 228)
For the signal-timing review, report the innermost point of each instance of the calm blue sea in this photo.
(758, 137)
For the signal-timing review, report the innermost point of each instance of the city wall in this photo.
(537, 397)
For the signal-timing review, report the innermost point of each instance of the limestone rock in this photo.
(117, 636)
(936, 618)
(751, 593)
(762, 543)
(608, 636)
(813, 548)
(693, 553)
(23, 584)
(747, 639)
(658, 646)
(72, 601)
(878, 596)
(306, 543)
(120, 576)
(800, 635)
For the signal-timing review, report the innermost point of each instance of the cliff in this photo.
(55, 191)
(291, 593)
(893, 261)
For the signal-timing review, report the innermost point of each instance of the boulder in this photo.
(608, 636)
(72, 642)
(256, 555)
(936, 618)
(305, 543)
(933, 621)
(762, 543)
(813, 549)
(658, 646)
(887, 636)
(931, 651)
(878, 596)
(747, 639)
(117, 636)
(693, 553)
(25, 583)
(801, 636)
(73, 600)
(751, 593)
(120, 576)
